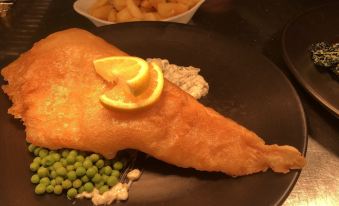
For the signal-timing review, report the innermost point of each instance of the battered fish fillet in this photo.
(55, 91)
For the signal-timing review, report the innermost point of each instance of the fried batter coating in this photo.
(55, 92)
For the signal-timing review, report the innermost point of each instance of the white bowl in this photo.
(82, 7)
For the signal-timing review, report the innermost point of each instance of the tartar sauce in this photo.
(117, 192)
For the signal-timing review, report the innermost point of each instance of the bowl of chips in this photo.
(105, 12)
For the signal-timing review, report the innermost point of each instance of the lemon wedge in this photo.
(133, 70)
(137, 83)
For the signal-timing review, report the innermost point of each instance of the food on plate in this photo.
(73, 172)
(56, 92)
(80, 175)
(326, 55)
(138, 10)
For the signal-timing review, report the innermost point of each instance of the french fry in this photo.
(124, 15)
(136, 10)
(99, 3)
(102, 12)
(154, 3)
(112, 16)
(189, 3)
(133, 9)
(137, 2)
(171, 9)
(145, 4)
(119, 4)
(150, 16)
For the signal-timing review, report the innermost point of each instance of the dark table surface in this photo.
(257, 23)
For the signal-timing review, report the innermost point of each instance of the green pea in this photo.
(49, 189)
(77, 183)
(58, 189)
(52, 152)
(66, 184)
(64, 153)
(101, 171)
(34, 166)
(89, 187)
(79, 158)
(80, 171)
(96, 178)
(81, 189)
(61, 171)
(77, 164)
(87, 164)
(43, 172)
(53, 174)
(48, 161)
(112, 180)
(100, 163)
(73, 153)
(94, 157)
(59, 180)
(40, 189)
(115, 173)
(51, 168)
(36, 151)
(43, 153)
(104, 178)
(63, 162)
(107, 170)
(99, 184)
(84, 179)
(118, 165)
(56, 165)
(37, 160)
(71, 175)
(70, 159)
(70, 167)
(53, 182)
(31, 147)
(91, 172)
(103, 189)
(71, 193)
(56, 156)
(35, 179)
(45, 180)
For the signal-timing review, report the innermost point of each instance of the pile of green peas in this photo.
(72, 171)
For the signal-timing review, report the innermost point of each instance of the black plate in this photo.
(316, 25)
(243, 85)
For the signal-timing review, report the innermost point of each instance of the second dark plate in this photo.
(316, 25)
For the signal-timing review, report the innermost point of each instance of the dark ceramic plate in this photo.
(243, 85)
(317, 25)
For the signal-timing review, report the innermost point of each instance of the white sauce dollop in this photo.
(117, 192)
(187, 78)
(134, 175)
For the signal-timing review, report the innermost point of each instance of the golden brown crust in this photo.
(55, 91)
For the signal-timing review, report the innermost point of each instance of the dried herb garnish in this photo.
(326, 55)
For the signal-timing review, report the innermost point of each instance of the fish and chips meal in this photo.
(139, 10)
(75, 92)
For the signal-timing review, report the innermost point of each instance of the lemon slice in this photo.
(120, 97)
(133, 70)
